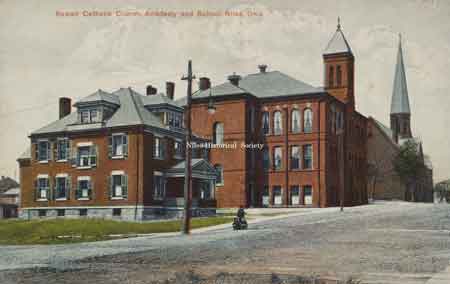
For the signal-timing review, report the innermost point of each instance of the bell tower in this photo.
(339, 68)
(400, 111)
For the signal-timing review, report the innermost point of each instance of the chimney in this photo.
(204, 83)
(65, 107)
(151, 90)
(170, 89)
(262, 68)
(234, 79)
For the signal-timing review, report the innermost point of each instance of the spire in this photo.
(400, 100)
(338, 43)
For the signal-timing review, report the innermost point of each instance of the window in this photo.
(307, 157)
(43, 150)
(178, 149)
(159, 186)
(62, 149)
(84, 189)
(62, 187)
(42, 213)
(60, 212)
(295, 121)
(295, 157)
(266, 159)
(118, 146)
(307, 195)
(277, 123)
(307, 120)
(219, 171)
(331, 76)
(205, 190)
(158, 149)
(338, 76)
(118, 185)
(117, 212)
(265, 123)
(89, 116)
(83, 212)
(87, 156)
(43, 189)
(277, 195)
(295, 195)
(277, 158)
(218, 133)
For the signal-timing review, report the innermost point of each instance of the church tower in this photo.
(400, 111)
(339, 69)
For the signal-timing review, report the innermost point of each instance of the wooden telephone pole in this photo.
(186, 227)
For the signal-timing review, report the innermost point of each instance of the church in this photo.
(384, 144)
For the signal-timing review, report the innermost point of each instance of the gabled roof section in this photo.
(338, 43)
(386, 130)
(262, 85)
(99, 96)
(400, 99)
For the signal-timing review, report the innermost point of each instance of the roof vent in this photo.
(204, 83)
(234, 79)
(262, 68)
(151, 90)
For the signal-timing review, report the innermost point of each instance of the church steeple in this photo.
(400, 110)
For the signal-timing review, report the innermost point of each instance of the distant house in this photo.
(9, 189)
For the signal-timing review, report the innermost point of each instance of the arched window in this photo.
(219, 170)
(331, 76)
(218, 133)
(277, 123)
(338, 76)
(295, 121)
(307, 120)
(265, 123)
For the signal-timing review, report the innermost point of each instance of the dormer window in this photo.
(89, 116)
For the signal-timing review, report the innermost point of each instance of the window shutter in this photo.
(91, 189)
(110, 186)
(49, 150)
(93, 155)
(110, 146)
(68, 185)
(125, 145)
(49, 189)
(78, 190)
(36, 189)
(74, 155)
(125, 186)
(34, 147)
(55, 150)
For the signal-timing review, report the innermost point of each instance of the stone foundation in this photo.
(126, 213)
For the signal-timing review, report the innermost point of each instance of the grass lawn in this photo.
(20, 232)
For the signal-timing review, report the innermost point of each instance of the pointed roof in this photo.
(400, 100)
(100, 96)
(338, 43)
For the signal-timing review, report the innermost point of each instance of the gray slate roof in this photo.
(384, 128)
(262, 85)
(400, 100)
(99, 96)
(131, 111)
(158, 99)
(337, 44)
(181, 164)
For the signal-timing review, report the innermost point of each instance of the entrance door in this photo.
(277, 196)
(307, 195)
(295, 195)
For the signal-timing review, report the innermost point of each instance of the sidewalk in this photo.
(442, 277)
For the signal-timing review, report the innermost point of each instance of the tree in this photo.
(409, 166)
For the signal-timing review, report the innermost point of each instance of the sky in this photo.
(44, 56)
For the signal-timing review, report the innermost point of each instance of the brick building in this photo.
(118, 155)
(313, 141)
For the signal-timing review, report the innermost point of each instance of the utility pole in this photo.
(186, 227)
